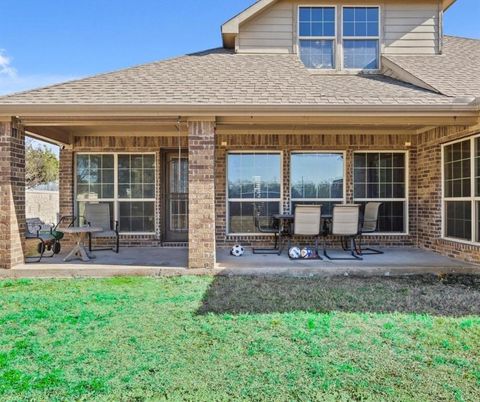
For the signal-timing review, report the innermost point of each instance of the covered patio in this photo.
(211, 146)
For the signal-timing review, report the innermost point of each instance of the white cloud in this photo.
(6, 68)
(13, 81)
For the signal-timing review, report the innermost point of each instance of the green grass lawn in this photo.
(224, 338)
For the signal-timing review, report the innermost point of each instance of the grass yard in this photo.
(242, 338)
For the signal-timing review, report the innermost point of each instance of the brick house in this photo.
(313, 101)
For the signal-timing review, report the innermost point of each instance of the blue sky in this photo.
(48, 41)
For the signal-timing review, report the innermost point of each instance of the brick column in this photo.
(66, 186)
(201, 194)
(12, 194)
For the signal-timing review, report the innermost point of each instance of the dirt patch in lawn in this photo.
(445, 295)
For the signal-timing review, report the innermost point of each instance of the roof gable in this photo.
(231, 28)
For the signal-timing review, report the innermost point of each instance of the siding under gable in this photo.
(411, 28)
(270, 32)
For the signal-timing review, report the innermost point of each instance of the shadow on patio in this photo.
(445, 295)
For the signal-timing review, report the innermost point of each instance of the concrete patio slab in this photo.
(395, 261)
(162, 261)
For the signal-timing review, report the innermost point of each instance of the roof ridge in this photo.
(106, 73)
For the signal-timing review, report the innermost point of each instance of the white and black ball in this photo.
(237, 250)
(294, 253)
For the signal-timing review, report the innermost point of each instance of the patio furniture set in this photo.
(346, 223)
(97, 224)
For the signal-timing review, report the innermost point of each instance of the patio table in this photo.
(79, 250)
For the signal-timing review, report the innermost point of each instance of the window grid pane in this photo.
(317, 53)
(95, 174)
(137, 216)
(316, 175)
(136, 175)
(254, 183)
(360, 23)
(95, 177)
(241, 217)
(318, 23)
(457, 170)
(254, 176)
(458, 219)
(382, 177)
(361, 54)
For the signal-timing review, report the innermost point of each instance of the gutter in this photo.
(459, 106)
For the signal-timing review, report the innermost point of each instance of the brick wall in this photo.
(12, 194)
(430, 193)
(201, 194)
(289, 143)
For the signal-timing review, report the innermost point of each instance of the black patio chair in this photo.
(271, 227)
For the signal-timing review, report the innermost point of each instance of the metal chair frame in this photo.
(113, 227)
(371, 251)
(274, 229)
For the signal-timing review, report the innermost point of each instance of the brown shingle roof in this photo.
(220, 77)
(454, 73)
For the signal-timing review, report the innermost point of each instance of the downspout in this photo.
(440, 29)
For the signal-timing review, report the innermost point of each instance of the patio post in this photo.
(12, 193)
(201, 193)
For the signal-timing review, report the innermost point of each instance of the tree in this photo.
(41, 165)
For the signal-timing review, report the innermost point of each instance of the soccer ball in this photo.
(237, 250)
(294, 253)
(306, 253)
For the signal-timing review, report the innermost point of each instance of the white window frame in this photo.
(341, 200)
(228, 200)
(404, 200)
(332, 38)
(116, 200)
(377, 38)
(473, 198)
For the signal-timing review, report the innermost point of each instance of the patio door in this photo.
(176, 197)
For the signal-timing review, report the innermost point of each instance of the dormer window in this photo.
(360, 38)
(358, 42)
(317, 37)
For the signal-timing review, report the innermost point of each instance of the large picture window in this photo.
(254, 184)
(381, 176)
(317, 37)
(125, 181)
(461, 189)
(317, 178)
(361, 38)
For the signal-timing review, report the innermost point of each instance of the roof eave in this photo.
(447, 3)
(464, 107)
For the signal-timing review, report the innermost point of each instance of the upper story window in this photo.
(361, 38)
(317, 37)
